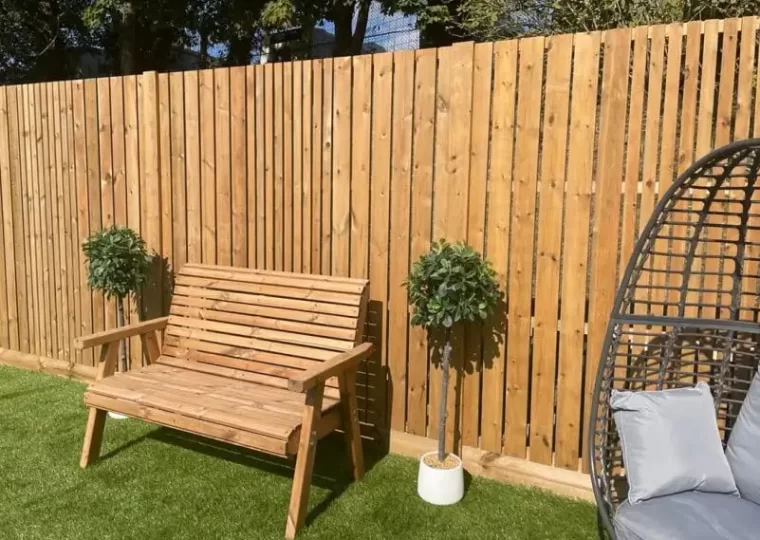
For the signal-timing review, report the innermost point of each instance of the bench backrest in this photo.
(261, 325)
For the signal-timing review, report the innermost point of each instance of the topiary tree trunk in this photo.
(123, 342)
(445, 362)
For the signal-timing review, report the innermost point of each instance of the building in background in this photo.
(385, 32)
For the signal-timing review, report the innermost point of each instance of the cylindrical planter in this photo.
(440, 486)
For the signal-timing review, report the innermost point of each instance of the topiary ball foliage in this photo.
(450, 284)
(117, 261)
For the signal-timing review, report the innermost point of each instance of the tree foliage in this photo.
(498, 19)
(450, 284)
(117, 261)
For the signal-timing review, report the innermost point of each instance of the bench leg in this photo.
(93, 436)
(350, 416)
(299, 496)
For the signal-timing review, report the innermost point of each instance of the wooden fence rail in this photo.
(546, 153)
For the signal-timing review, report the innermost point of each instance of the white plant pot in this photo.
(440, 486)
(117, 416)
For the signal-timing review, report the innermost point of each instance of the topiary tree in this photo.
(117, 264)
(449, 285)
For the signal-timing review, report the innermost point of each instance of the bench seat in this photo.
(237, 411)
(261, 359)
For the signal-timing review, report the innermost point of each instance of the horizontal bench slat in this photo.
(268, 301)
(275, 291)
(222, 314)
(179, 347)
(291, 279)
(261, 333)
(252, 343)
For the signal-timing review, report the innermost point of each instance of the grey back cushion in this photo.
(670, 442)
(743, 450)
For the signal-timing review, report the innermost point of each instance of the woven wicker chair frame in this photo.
(687, 307)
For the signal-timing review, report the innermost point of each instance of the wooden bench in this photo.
(263, 360)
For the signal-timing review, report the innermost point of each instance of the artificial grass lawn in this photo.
(156, 483)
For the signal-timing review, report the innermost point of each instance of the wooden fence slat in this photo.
(628, 232)
(341, 167)
(252, 179)
(61, 228)
(19, 244)
(71, 183)
(420, 229)
(401, 155)
(361, 133)
(687, 135)
(92, 179)
(744, 89)
(165, 189)
(521, 271)
(269, 139)
(42, 207)
(208, 167)
(617, 48)
(118, 143)
(150, 188)
(297, 159)
(118, 151)
(498, 225)
(132, 187)
(651, 141)
(239, 178)
(669, 145)
(306, 180)
(377, 315)
(106, 175)
(575, 252)
(83, 215)
(6, 233)
(261, 171)
(10, 221)
(474, 335)
(223, 181)
(287, 168)
(47, 179)
(316, 168)
(554, 148)
(278, 163)
(193, 167)
(31, 224)
(460, 116)
(327, 157)
(705, 123)
(179, 183)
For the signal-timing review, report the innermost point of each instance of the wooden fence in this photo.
(548, 154)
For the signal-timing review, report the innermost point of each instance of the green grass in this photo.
(155, 483)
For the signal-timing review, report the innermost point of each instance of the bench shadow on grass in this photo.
(332, 468)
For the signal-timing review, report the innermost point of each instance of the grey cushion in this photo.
(689, 516)
(670, 442)
(743, 450)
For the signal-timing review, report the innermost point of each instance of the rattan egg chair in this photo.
(687, 307)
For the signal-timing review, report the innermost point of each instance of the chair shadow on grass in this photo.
(332, 468)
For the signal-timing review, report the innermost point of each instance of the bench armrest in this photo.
(117, 334)
(336, 365)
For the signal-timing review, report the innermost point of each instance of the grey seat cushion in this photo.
(743, 450)
(670, 442)
(692, 515)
